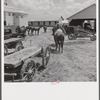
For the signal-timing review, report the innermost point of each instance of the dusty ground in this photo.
(76, 63)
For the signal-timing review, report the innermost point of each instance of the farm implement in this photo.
(76, 32)
(22, 65)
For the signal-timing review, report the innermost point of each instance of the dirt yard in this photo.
(76, 63)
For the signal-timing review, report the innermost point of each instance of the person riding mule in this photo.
(59, 38)
(58, 26)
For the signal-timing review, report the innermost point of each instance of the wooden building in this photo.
(87, 14)
(14, 16)
(47, 22)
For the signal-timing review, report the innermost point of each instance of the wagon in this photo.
(10, 32)
(22, 65)
(12, 43)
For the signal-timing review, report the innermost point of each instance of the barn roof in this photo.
(13, 10)
(87, 13)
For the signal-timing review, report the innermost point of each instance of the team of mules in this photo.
(29, 29)
(32, 29)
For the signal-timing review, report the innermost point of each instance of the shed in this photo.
(50, 22)
(88, 13)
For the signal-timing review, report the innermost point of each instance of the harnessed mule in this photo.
(59, 39)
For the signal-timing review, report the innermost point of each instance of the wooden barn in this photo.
(47, 22)
(88, 14)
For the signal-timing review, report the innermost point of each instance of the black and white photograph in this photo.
(50, 41)
(49, 49)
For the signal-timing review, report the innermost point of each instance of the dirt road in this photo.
(76, 63)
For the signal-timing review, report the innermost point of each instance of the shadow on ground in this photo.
(79, 42)
(53, 50)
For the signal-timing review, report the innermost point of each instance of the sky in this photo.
(50, 9)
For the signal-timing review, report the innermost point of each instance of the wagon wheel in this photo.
(93, 37)
(5, 50)
(75, 34)
(71, 36)
(46, 56)
(28, 70)
(19, 46)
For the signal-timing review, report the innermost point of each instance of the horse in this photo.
(59, 39)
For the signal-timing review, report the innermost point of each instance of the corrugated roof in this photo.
(13, 10)
(88, 13)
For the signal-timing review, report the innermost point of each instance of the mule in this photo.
(33, 29)
(59, 39)
(36, 29)
(54, 30)
(56, 27)
(28, 28)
